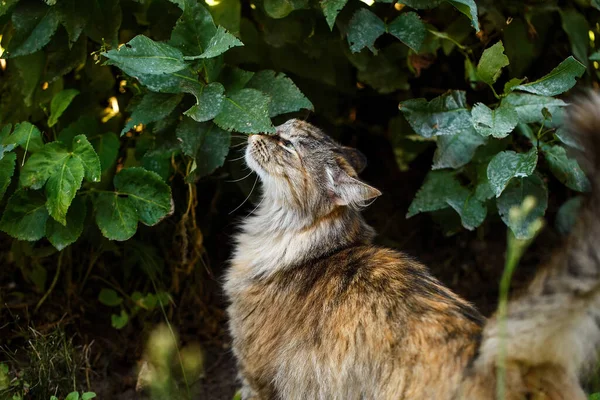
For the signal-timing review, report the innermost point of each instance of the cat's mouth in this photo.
(258, 151)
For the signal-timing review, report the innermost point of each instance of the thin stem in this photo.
(53, 284)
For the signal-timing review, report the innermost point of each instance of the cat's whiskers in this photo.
(256, 208)
(240, 179)
(246, 199)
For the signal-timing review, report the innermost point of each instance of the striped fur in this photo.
(318, 312)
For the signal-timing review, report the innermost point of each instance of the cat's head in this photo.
(304, 169)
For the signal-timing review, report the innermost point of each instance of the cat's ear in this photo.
(357, 160)
(347, 190)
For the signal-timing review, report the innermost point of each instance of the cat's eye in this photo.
(286, 144)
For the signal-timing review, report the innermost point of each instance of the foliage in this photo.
(117, 117)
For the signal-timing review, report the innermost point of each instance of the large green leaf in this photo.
(83, 150)
(331, 9)
(193, 30)
(105, 21)
(61, 236)
(445, 115)
(116, 216)
(507, 165)
(454, 151)
(62, 186)
(364, 28)
(514, 195)
(285, 95)
(145, 56)
(206, 143)
(147, 192)
(497, 123)
(472, 212)
(409, 29)
(468, 8)
(209, 102)
(152, 108)
(565, 169)
(43, 164)
(7, 169)
(59, 104)
(218, 44)
(26, 135)
(34, 25)
(559, 80)
(529, 106)
(491, 63)
(25, 215)
(576, 27)
(246, 111)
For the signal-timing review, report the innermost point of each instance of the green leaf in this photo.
(73, 15)
(5, 6)
(7, 169)
(116, 216)
(595, 4)
(109, 297)
(444, 115)
(107, 147)
(26, 135)
(219, 44)
(285, 95)
(88, 395)
(119, 321)
(331, 9)
(565, 169)
(246, 111)
(454, 151)
(227, 13)
(409, 29)
(206, 143)
(209, 103)
(152, 108)
(468, 8)
(364, 28)
(576, 27)
(565, 136)
(497, 123)
(150, 196)
(514, 195)
(34, 25)
(194, 30)
(559, 80)
(105, 21)
(30, 69)
(432, 195)
(59, 104)
(507, 165)
(472, 212)
(567, 215)
(43, 164)
(72, 396)
(61, 236)
(25, 215)
(595, 56)
(491, 63)
(441, 190)
(62, 187)
(529, 107)
(145, 56)
(83, 150)
(512, 84)
(282, 8)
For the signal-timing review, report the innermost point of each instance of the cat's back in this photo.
(334, 326)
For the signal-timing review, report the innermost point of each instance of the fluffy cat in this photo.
(318, 312)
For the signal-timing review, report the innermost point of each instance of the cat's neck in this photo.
(275, 238)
